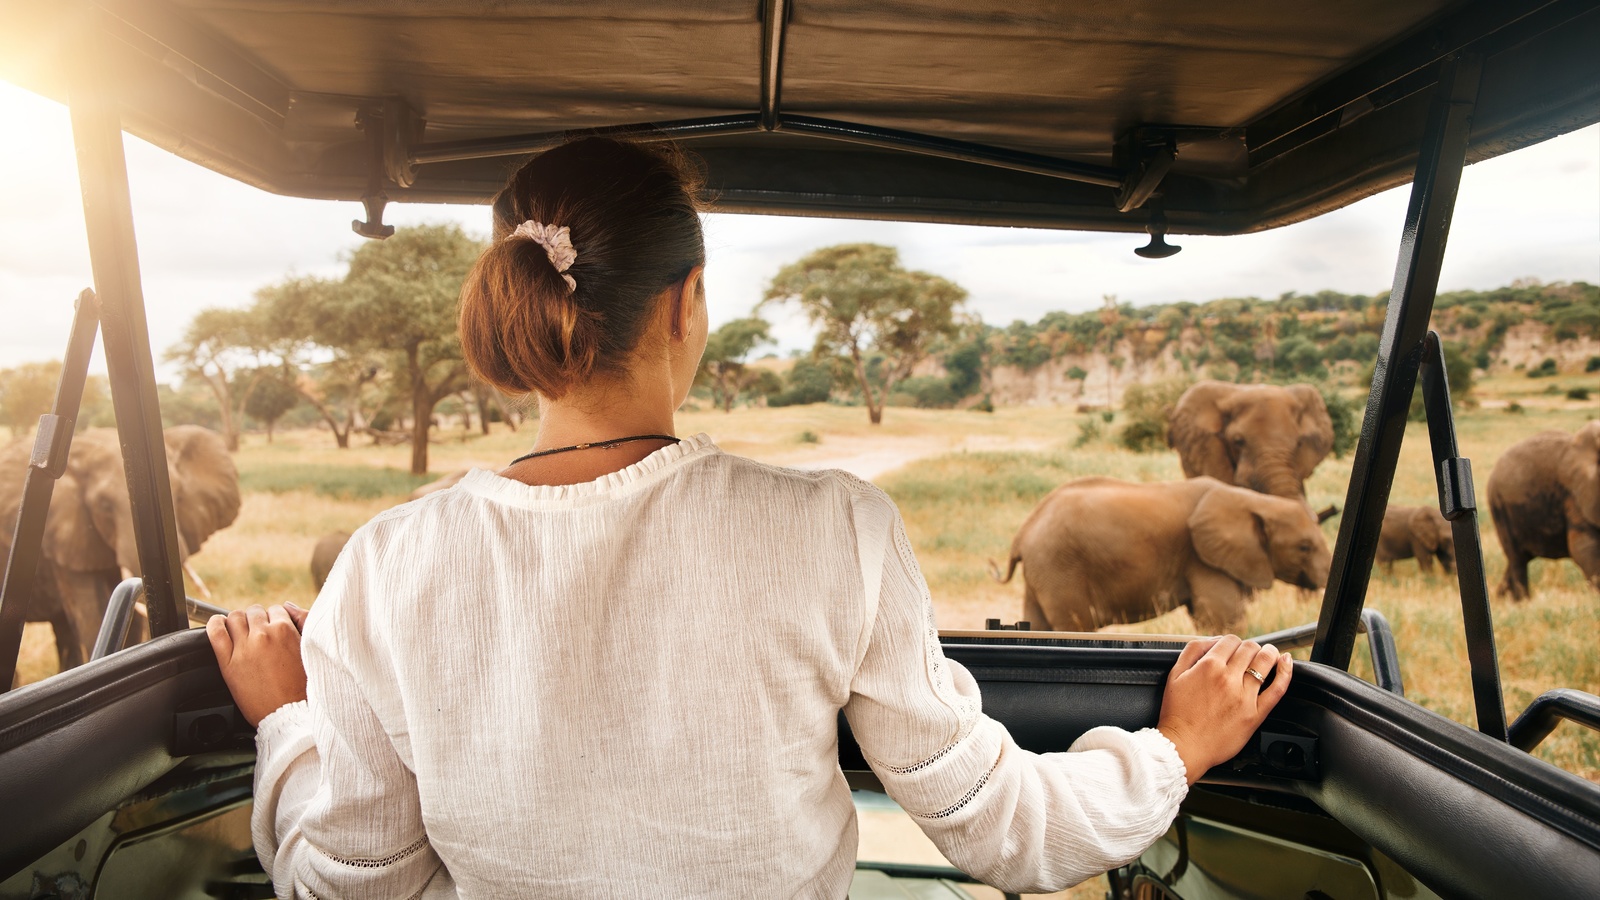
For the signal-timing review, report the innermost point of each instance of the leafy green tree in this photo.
(229, 350)
(26, 393)
(273, 397)
(810, 381)
(323, 349)
(723, 367)
(400, 299)
(865, 303)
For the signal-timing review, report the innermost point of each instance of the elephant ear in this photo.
(1316, 429)
(205, 486)
(1229, 534)
(70, 538)
(1195, 431)
(1580, 471)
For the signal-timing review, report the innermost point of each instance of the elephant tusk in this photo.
(195, 577)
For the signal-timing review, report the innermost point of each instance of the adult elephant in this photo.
(1420, 532)
(1544, 496)
(89, 542)
(1099, 551)
(325, 554)
(1260, 436)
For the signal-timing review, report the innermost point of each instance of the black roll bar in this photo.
(1380, 644)
(1546, 712)
(1383, 428)
(51, 444)
(114, 257)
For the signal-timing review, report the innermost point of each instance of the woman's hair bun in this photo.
(634, 228)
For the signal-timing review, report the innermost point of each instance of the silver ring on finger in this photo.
(1256, 675)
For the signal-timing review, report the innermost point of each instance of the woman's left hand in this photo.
(258, 651)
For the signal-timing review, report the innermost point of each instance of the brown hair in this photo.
(635, 227)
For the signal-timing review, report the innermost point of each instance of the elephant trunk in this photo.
(1273, 474)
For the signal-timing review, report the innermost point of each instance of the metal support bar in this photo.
(1422, 245)
(827, 129)
(774, 22)
(119, 615)
(114, 257)
(1380, 646)
(1546, 712)
(48, 461)
(1459, 505)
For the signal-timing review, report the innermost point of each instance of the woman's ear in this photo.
(688, 302)
(1229, 535)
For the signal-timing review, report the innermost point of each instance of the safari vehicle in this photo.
(131, 776)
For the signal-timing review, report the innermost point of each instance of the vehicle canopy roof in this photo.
(1235, 115)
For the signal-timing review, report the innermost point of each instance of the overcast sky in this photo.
(206, 240)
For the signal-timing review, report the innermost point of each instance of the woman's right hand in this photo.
(1213, 704)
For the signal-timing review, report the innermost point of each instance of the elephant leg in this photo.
(1033, 613)
(1584, 545)
(1424, 560)
(1217, 602)
(69, 649)
(1515, 582)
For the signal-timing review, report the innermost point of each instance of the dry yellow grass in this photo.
(964, 492)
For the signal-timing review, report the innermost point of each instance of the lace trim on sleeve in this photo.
(361, 863)
(957, 806)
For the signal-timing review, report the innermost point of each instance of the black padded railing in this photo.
(1549, 710)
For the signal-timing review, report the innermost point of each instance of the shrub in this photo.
(1147, 408)
(1515, 408)
(1346, 416)
(809, 437)
(928, 392)
(1592, 365)
(1578, 393)
(1545, 369)
(1088, 430)
(809, 381)
(1107, 416)
(1076, 373)
(984, 405)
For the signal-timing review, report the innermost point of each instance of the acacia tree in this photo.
(273, 397)
(229, 350)
(865, 304)
(400, 297)
(723, 366)
(322, 347)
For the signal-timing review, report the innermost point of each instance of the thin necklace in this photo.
(605, 445)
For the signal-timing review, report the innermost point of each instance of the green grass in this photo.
(349, 482)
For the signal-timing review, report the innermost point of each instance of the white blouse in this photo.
(630, 688)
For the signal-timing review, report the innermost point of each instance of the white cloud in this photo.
(206, 240)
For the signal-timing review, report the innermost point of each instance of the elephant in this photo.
(325, 554)
(1416, 531)
(329, 545)
(89, 542)
(1544, 496)
(1259, 436)
(1099, 551)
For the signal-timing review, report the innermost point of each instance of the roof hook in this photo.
(391, 127)
(1158, 248)
(374, 200)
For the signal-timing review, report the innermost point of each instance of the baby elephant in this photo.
(1098, 551)
(322, 558)
(1416, 531)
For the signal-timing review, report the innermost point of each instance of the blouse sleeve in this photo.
(337, 812)
(1020, 821)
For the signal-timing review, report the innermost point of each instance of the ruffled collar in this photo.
(657, 465)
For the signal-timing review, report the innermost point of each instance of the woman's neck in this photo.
(590, 416)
